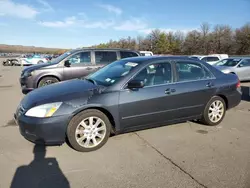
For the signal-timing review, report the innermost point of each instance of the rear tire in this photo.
(88, 131)
(214, 112)
(47, 81)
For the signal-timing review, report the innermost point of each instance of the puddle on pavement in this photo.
(10, 123)
(202, 131)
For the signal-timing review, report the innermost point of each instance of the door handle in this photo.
(209, 84)
(88, 68)
(168, 91)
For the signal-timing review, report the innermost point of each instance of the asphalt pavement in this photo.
(181, 155)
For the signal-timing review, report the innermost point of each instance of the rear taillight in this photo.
(238, 84)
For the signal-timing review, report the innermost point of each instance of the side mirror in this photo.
(240, 65)
(67, 63)
(135, 84)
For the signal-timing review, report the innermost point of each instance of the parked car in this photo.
(73, 64)
(238, 66)
(12, 61)
(31, 60)
(7, 62)
(146, 53)
(211, 59)
(48, 57)
(127, 95)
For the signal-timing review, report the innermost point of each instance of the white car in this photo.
(146, 53)
(211, 59)
(33, 60)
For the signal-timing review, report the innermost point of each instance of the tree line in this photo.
(29, 49)
(205, 40)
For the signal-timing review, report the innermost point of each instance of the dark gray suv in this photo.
(72, 64)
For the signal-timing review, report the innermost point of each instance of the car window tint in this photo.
(194, 57)
(228, 62)
(82, 57)
(245, 63)
(125, 54)
(155, 74)
(188, 71)
(102, 57)
(212, 59)
(204, 59)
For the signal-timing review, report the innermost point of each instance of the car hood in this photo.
(38, 66)
(61, 92)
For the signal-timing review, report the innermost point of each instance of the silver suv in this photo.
(72, 64)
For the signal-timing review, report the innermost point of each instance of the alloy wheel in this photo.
(216, 111)
(90, 132)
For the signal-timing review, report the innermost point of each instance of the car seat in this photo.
(162, 75)
(197, 73)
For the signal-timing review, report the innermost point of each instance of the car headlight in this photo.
(45, 110)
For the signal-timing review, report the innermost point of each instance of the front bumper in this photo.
(49, 131)
(25, 85)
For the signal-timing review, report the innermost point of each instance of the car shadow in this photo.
(245, 93)
(41, 172)
(10, 123)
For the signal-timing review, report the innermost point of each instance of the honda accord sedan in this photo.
(127, 95)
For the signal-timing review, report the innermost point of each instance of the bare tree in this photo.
(205, 29)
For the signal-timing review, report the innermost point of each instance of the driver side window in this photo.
(155, 74)
(245, 63)
(82, 57)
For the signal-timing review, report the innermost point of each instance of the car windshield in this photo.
(61, 57)
(112, 73)
(228, 62)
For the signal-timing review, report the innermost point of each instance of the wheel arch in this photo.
(54, 76)
(224, 98)
(103, 110)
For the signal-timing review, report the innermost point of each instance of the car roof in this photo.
(237, 58)
(149, 58)
(102, 49)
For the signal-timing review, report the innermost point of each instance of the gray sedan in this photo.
(239, 66)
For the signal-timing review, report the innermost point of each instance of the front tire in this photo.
(14, 63)
(47, 81)
(214, 112)
(89, 130)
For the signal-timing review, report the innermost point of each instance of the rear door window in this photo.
(105, 57)
(245, 63)
(204, 59)
(209, 59)
(125, 54)
(188, 71)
